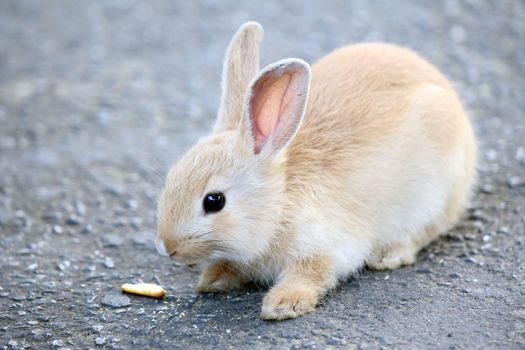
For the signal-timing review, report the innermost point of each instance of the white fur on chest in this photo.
(335, 236)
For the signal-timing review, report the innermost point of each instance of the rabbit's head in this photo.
(223, 199)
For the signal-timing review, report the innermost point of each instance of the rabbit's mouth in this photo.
(189, 262)
(188, 259)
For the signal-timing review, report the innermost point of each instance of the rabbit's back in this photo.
(384, 137)
(363, 94)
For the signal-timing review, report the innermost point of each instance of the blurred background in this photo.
(98, 98)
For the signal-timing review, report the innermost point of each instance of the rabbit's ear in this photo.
(275, 104)
(241, 64)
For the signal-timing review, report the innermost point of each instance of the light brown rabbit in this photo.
(311, 174)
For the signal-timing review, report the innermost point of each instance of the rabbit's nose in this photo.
(161, 247)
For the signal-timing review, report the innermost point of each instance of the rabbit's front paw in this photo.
(288, 301)
(220, 277)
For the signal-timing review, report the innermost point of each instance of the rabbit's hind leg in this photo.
(401, 253)
(393, 256)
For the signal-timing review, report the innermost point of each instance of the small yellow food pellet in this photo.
(146, 289)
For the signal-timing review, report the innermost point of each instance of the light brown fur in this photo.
(298, 292)
(220, 277)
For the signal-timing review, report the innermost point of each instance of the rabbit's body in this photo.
(382, 163)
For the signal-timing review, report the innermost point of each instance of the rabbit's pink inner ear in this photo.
(272, 99)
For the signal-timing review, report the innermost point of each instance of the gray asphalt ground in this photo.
(98, 98)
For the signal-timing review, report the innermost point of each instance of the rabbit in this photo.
(311, 174)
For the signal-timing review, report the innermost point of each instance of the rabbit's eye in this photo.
(213, 202)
